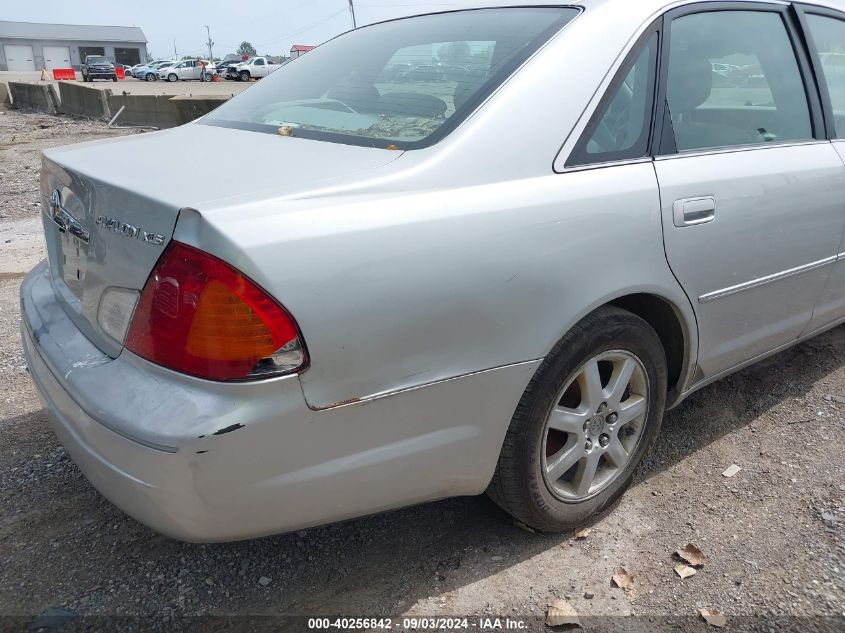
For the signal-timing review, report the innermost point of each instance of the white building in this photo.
(33, 46)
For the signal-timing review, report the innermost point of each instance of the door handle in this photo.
(693, 211)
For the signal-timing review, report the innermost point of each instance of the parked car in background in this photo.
(424, 73)
(430, 73)
(394, 73)
(724, 69)
(497, 284)
(406, 73)
(98, 67)
(255, 68)
(149, 72)
(188, 70)
(750, 75)
(834, 63)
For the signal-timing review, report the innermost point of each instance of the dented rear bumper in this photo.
(145, 437)
(208, 461)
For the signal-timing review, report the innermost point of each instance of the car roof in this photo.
(632, 9)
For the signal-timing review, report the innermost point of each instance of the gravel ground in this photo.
(773, 535)
(22, 138)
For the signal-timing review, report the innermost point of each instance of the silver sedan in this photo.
(476, 250)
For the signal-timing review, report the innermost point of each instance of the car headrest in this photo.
(412, 104)
(464, 90)
(690, 81)
(360, 96)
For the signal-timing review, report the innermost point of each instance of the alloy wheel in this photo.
(595, 425)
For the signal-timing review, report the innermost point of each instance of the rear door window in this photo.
(828, 35)
(734, 79)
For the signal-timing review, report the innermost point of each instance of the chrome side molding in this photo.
(762, 281)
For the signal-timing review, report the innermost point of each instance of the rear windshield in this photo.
(402, 84)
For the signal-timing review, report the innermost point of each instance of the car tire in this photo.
(555, 427)
(114, 78)
(243, 75)
(149, 77)
(172, 77)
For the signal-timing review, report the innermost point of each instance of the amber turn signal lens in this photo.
(200, 316)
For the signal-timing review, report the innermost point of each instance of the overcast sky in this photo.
(272, 26)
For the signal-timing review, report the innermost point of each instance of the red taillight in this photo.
(200, 316)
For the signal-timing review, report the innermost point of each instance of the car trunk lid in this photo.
(110, 207)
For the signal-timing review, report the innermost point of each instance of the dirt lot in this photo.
(773, 535)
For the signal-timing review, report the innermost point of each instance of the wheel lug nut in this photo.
(604, 440)
(589, 445)
(612, 418)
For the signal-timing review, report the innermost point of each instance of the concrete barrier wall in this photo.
(5, 97)
(40, 97)
(161, 111)
(81, 100)
(189, 108)
(152, 110)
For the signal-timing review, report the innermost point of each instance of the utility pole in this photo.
(210, 44)
(352, 13)
(175, 55)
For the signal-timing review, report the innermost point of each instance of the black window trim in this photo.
(801, 12)
(661, 134)
(578, 157)
(664, 141)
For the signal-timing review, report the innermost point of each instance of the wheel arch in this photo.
(671, 327)
(674, 321)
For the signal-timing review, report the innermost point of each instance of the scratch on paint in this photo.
(228, 429)
(90, 363)
(86, 364)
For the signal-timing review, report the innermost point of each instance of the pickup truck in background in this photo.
(98, 67)
(254, 68)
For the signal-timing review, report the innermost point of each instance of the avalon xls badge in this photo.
(130, 230)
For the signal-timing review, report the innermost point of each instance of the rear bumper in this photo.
(152, 475)
(205, 461)
(141, 481)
